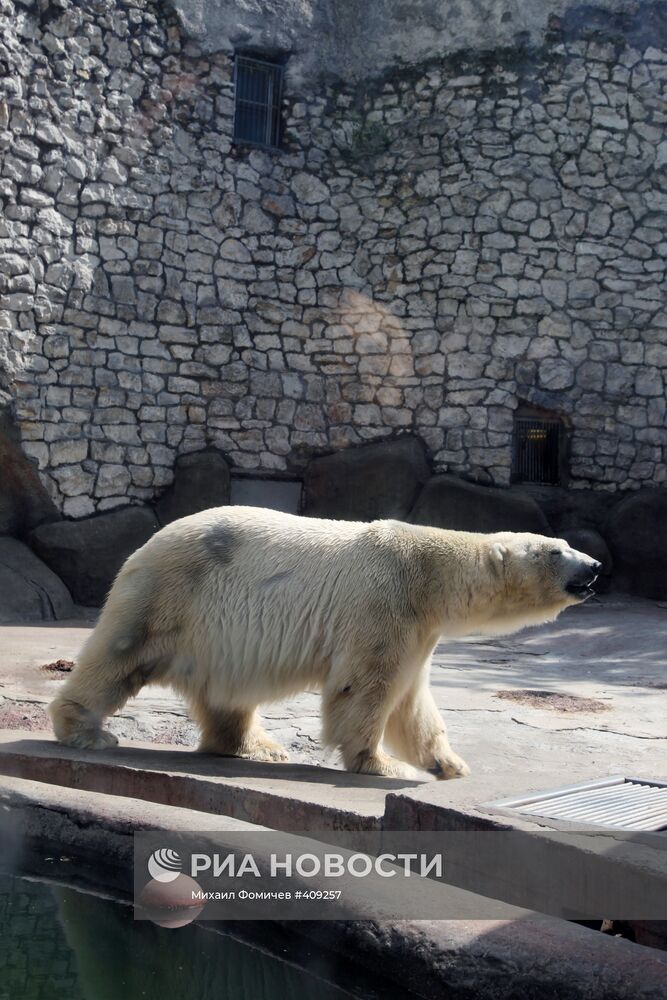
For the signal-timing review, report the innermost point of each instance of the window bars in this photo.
(258, 86)
(536, 451)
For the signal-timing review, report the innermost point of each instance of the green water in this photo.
(60, 944)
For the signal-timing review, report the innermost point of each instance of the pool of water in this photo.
(58, 943)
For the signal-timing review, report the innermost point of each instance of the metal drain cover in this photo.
(619, 802)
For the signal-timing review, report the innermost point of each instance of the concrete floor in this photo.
(612, 651)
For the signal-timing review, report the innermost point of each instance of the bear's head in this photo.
(535, 578)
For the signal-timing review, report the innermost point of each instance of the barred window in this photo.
(258, 86)
(536, 450)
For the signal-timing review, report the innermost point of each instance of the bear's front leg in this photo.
(354, 716)
(235, 733)
(416, 732)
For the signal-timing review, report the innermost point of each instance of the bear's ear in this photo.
(498, 552)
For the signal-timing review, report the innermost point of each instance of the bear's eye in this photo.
(555, 552)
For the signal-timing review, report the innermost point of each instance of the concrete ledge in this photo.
(281, 796)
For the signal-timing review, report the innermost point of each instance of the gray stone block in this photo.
(29, 590)
(566, 510)
(636, 532)
(201, 481)
(448, 502)
(87, 554)
(362, 484)
(24, 503)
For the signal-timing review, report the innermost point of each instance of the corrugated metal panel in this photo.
(620, 803)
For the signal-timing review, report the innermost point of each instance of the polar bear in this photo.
(236, 606)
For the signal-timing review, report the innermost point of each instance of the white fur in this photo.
(237, 606)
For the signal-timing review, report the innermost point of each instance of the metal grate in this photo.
(536, 450)
(619, 802)
(258, 93)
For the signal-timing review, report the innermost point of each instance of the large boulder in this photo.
(373, 481)
(29, 590)
(449, 502)
(24, 503)
(566, 510)
(87, 554)
(591, 542)
(636, 532)
(201, 480)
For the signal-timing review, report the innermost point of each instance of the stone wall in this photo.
(431, 249)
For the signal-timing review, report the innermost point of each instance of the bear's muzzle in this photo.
(581, 582)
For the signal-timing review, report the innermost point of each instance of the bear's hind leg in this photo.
(120, 656)
(234, 733)
(78, 726)
(416, 732)
(98, 687)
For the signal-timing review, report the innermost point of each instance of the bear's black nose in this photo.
(586, 574)
(582, 578)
